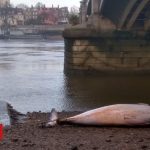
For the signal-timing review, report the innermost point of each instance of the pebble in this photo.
(42, 125)
(126, 141)
(2, 143)
(28, 144)
(15, 140)
(111, 136)
(95, 148)
(140, 140)
(24, 140)
(25, 145)
(81, 144)
(108, 140)
(144, 146)
(74, 148)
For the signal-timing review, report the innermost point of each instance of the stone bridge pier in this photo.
(113, 37)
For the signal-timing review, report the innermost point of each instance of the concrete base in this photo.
(94, 51)
(100, 23)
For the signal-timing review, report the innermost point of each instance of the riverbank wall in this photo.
(92, 51)
(34, 32)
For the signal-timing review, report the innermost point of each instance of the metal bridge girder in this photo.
(126, 13)
(121, 13)
(136, 13)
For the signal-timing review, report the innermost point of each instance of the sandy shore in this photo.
(30, 135)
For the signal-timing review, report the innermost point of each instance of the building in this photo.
(55, 15)
(11, 16)
(63, 15)
(46, 16)
(18, 17)
(30, 15)
(4, 3)
(33, 16)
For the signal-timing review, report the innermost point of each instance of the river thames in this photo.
(32, 79)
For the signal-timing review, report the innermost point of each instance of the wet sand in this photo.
(31, 135)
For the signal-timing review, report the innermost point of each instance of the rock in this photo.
(140, 140)
(25, 145)
(126, 141)
(15, 140)
(24, 140)
(42, 125)
(74, 148)
(111, 136)
(2, 143)
(108, 140)
(28, 145)
(144, 146)
(95, 148)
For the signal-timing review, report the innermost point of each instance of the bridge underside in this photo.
(114, 9)
(115, 38)
(125, 14)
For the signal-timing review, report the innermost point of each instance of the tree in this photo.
(73, 19)
(74, 15)
(39, 5)
(74, 10)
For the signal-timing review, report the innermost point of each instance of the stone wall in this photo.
(118, 52)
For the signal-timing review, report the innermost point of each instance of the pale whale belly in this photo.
(120, 114)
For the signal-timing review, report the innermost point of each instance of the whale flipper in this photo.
(53, 115)
(53, 118)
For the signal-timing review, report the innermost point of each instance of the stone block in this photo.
(101, 54)
(81, 42)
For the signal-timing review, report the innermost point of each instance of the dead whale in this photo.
(113, 115)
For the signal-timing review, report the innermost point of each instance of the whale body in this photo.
(113, 115)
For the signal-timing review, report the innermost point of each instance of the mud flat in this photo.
(32, 135)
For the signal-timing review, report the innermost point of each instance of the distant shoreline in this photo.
(35, 32)
(33, 37)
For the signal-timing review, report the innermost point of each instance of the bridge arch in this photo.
(122, 13)
(136, 13)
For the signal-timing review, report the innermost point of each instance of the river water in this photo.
(32, 79)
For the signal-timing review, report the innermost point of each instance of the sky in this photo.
(55, 3)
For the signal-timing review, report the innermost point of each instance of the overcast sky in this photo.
(61, 3)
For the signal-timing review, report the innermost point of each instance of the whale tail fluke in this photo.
(52, 119)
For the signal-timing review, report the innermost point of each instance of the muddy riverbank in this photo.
(30, 135)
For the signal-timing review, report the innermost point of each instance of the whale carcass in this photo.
(113, 115)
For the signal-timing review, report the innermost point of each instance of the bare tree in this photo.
(74, 15)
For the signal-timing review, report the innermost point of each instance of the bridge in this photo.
(124, 14)
(113, 36)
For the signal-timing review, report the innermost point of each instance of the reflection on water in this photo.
(32, 79)
(91, 92)
(31, 74)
